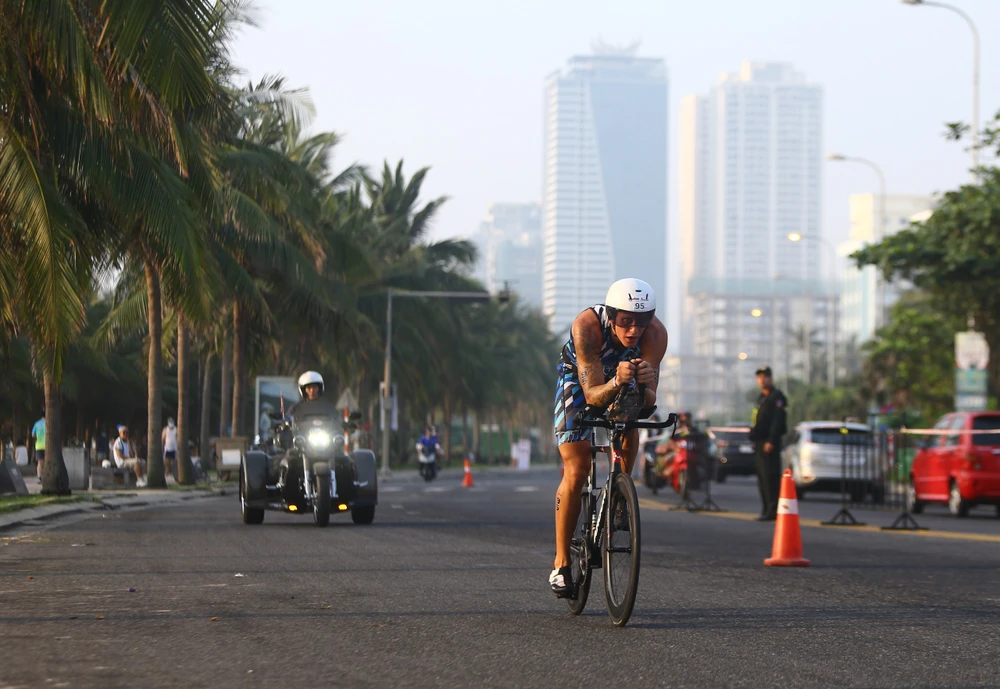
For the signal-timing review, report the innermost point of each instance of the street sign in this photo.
(391, 405)
(347, 400)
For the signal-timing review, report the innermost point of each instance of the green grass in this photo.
(13, 503)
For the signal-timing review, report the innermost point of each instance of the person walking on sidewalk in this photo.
(169, 439)
(767, 427)
(38, 433)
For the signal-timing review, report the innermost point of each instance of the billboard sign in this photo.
(972, 357)
(270, 392)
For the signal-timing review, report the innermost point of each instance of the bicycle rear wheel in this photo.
(620, 550)
(579, 557)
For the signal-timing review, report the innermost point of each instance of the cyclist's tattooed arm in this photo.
(588, 337)
(652, 348)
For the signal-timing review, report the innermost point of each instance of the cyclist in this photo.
(610, 345)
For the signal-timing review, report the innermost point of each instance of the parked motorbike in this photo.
(428, 461)
(675, 471)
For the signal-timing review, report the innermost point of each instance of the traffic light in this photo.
(503, 296)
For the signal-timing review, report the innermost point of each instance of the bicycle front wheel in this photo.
(620, 548)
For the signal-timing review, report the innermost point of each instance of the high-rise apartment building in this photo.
(510, 247)
(605, 180)
(862, 291)
(750, 170)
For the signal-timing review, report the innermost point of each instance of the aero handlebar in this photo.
(604, 423)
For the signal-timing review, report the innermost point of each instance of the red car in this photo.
(960, 469)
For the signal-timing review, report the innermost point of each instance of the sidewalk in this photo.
(102, 500)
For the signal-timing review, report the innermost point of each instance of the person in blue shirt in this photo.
(38, 433)
(429, 442)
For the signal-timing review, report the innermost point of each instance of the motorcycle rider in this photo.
(311, 388)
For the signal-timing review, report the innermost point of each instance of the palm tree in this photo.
(90, 92)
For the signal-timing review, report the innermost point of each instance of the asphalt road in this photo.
(448, 588)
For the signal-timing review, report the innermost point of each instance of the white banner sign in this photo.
(971, 351)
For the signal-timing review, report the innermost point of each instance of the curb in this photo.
(47, 513)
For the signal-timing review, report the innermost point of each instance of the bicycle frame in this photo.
(597, 525)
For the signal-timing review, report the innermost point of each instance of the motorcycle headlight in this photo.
(319, 439)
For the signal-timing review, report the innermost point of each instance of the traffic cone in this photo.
(467, 481)
(787, 549)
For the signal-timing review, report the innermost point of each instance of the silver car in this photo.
(820, 452)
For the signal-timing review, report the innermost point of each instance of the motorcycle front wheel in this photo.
(682, 484)
(321, 500)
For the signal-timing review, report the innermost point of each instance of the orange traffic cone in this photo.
(467, 481)
(787, 550)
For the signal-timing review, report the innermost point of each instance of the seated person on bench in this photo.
(124, 453)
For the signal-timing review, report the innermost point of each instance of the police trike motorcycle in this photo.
(306, 466)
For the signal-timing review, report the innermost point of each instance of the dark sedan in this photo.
(733, 451)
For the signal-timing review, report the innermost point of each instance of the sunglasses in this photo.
(628, 320)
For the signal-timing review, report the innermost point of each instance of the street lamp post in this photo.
(387, 382)
(880, 225)
(831, 359)
(975, 71)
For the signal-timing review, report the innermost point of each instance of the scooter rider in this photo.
(428, 444)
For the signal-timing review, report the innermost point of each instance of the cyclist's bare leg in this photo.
(576, 467)
(630, 447)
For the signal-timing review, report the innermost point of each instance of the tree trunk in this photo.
(239, 367)
(55, 479)
(154, 419)
(477, 436)
(465, 432)
(447, 429)
(206, 410)
(185, 472)
(226, 413)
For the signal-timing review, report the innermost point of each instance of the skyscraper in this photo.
(863, 290)
(605, 180)
(750, 168)
(510, 244)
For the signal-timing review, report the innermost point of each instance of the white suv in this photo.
(816, 455)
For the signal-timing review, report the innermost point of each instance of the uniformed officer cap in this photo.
(766, 370)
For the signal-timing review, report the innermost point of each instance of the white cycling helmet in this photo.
(310, 378)
(632, 295)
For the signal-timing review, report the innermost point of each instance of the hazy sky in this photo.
(457, 84)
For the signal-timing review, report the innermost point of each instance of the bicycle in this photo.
(609, 517)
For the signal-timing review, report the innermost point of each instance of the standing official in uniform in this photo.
(767, 427)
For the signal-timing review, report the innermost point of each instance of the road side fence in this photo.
(874, 475)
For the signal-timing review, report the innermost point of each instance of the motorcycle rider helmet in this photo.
(631, 295)
(310, 378)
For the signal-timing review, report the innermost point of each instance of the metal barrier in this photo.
(874, 473)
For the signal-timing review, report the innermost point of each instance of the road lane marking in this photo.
(526, 489)
(749, 517)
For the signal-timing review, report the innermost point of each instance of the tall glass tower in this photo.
(605, 181)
